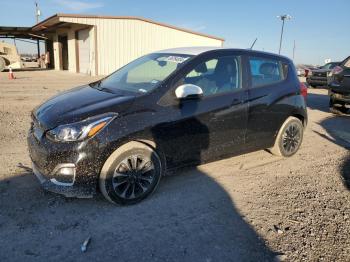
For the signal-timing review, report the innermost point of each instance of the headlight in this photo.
(80, 130)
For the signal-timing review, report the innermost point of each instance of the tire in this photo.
(2, 64)
(309, 85)
(337, 110)
(289, 138)
(130, 174)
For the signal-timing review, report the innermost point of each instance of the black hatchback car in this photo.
(339, 88)
(162, 111)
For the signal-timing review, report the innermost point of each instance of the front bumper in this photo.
(315, 80)
(51, 161)
(345, 98)
(68, 190)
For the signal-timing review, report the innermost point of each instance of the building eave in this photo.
(55, 18)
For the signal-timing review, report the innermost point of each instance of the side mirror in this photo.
(188, 91)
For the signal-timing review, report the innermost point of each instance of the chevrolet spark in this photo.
(165, 110)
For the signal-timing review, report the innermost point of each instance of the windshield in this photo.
(329, 66)
(144, 74)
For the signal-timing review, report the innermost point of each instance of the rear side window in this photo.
(267, 71)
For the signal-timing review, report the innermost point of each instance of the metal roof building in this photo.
(98, 45)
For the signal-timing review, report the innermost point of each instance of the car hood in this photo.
(78, 104)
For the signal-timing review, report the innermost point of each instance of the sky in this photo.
(318, 27)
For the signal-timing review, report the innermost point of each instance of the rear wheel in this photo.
(130, 174)
(289, 138)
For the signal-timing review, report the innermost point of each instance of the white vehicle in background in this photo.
(9, 57)
(300, 72)
(26, 59)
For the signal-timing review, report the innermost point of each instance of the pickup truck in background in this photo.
(318, 77)
(339, 87)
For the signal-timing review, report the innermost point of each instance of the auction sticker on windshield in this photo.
(176, 59)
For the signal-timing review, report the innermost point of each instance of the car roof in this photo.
(193, 50)
(197, 50)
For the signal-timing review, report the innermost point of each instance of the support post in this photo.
(279, 51)
(38, 46)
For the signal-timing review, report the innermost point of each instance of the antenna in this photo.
(253, 43)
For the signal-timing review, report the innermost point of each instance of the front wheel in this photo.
(337, 108)
(130, 174)
(289, 138)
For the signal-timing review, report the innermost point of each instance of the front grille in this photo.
(36, 127)
(319, 74)
(37, 152)
(342, 95)
(37, 130)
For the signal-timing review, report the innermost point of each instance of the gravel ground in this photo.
(247, 208)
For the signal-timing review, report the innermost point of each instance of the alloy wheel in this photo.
(291, 138)
(133, 177)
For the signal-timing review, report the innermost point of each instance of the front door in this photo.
(214, 125)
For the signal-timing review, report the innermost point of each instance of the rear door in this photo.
(270, 99)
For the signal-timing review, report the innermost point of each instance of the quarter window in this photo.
(215, 76)
(267, 71)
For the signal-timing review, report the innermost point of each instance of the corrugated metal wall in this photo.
(120, 41)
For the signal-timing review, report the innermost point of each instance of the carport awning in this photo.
(19, 32)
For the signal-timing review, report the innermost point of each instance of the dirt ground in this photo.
(255, 207)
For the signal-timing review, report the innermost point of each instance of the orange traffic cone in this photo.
(11, 75)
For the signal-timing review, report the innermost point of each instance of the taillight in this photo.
(336, 70)
(303, 90)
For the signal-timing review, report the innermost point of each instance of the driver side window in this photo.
(215, 76)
